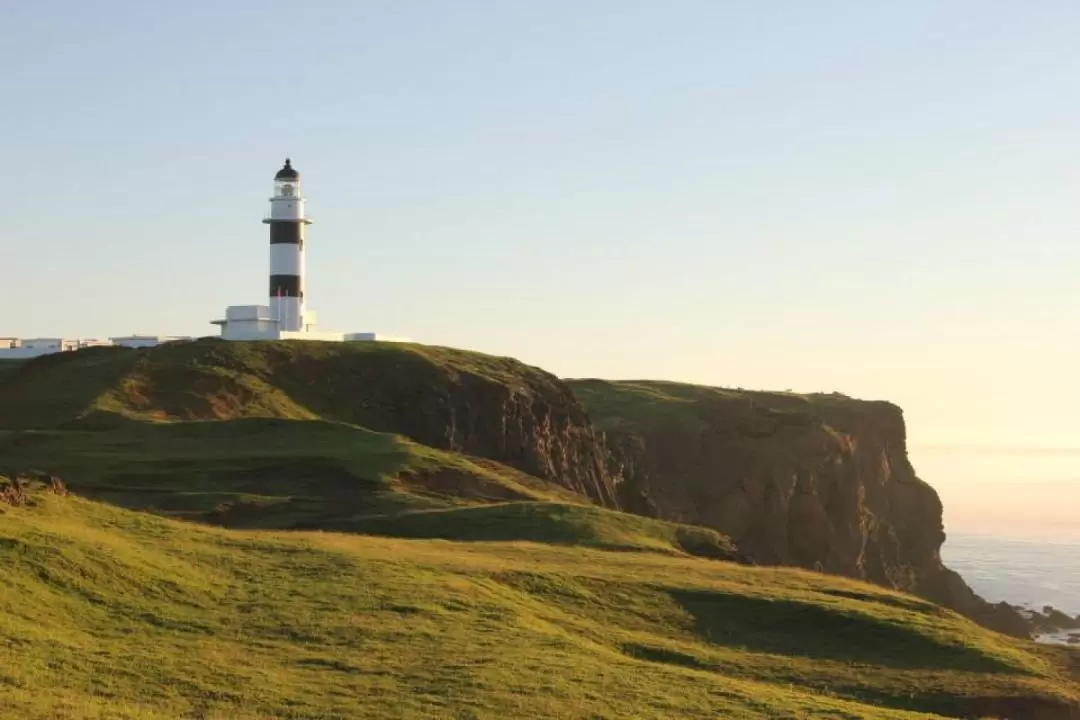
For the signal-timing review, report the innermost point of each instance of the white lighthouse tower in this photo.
(287, 221)
(287, 316)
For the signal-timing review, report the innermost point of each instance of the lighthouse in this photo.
(287, 316)
(287, 222)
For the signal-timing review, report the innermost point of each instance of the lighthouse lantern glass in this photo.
(286, 188)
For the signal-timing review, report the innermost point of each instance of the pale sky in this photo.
(875, 198)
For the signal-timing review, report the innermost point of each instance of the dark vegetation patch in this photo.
(661, 655)
(552, 523)
(787, 627)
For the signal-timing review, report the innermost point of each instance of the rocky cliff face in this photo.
(489, 407)
(821, 482)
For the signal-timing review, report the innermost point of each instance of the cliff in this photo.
(476, 405)
(487, 467)
(816, 481)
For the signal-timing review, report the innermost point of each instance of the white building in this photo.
(144, 341)
(18, 349)
(286, 316)
(25, 348)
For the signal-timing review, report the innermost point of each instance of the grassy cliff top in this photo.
(215, 379)
(109, 613)
(302, 433)
(637, 403)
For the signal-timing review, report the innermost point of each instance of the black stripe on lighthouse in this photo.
(286, 232)
(285, 286)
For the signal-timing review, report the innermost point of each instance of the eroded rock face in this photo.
(821, 482)
(528, 420)
(495, 408)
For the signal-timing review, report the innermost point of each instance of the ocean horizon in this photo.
(1026, 572)
(1012, 520)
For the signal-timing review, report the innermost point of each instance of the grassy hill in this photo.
(212, 379)
(111, 613)
(295, 434)
(369, 531)
(497, 412)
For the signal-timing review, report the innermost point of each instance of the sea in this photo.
(1012, 521)
(1032, 573)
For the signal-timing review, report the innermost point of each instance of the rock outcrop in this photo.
(818, 481)
(18, 491)
(509, 412)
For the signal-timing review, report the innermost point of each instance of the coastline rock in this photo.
(1050, 620)
(817, 481)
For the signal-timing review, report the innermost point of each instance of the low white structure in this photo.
(143, 341)
(248, 322)
(25, 348)
(286, 317)
(18, 349)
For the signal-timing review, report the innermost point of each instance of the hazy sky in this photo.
(877, 198)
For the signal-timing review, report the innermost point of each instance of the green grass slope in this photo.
(110, 613)
(267, 472)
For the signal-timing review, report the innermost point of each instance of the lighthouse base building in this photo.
(257, 322)
(286, 316)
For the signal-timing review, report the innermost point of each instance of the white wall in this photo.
(324, 336)
(249, 330)
(374, 337)
(23, 353)
(286, 259)
(34, 347)
(286, 208)
(144, 341)
(289, 311)
(248, 312)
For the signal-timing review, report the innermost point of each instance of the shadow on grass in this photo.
(551, 523)
(57, 388)
(256, 473)
(789, 627)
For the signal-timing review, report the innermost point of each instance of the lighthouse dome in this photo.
(287, 172)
